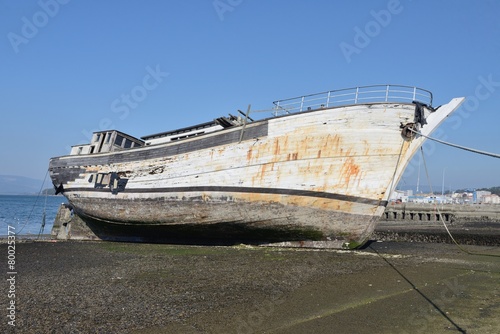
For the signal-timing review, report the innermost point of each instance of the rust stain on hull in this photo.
(349, 171)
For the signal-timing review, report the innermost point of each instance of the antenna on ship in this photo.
(245, 121)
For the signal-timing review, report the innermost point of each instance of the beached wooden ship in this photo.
(317, 173)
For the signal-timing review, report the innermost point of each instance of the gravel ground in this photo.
(106, 287)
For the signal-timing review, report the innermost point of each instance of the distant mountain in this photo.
(19, 185)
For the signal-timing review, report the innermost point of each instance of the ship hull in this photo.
(225, 223)
(320, 177)
(171, 217)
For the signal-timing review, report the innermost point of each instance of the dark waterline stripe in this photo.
(276, 191)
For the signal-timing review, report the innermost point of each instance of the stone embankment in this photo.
(468, 224)
(451, 213)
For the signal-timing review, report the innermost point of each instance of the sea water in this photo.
(23, 215)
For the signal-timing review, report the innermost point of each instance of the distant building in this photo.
(479, 194)
(430, 199)
(463, 198)
(490, 199)
(401, 195)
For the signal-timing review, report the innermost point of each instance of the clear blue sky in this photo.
(67, 67)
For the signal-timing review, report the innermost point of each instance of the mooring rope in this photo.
(34, 204)
(391, 189)
(442, 218)
(44, 214)
(494, 155)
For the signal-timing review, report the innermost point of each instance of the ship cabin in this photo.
(113, 140)
(193, 131)
(107, 141)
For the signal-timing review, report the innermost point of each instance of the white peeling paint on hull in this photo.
(328, 171)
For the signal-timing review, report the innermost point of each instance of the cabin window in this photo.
(128, 143)
(97, 137)
(92, 148)
(119, 140)
(108, 137)
(80, 150)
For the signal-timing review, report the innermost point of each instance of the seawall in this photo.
(477, 224)
(451, 213)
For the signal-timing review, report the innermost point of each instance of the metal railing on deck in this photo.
(356, 95)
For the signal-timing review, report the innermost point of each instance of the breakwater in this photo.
(424, 222)
(450, 213)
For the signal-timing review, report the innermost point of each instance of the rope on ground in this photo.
(442, 218)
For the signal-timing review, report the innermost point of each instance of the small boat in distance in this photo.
(317, 173)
